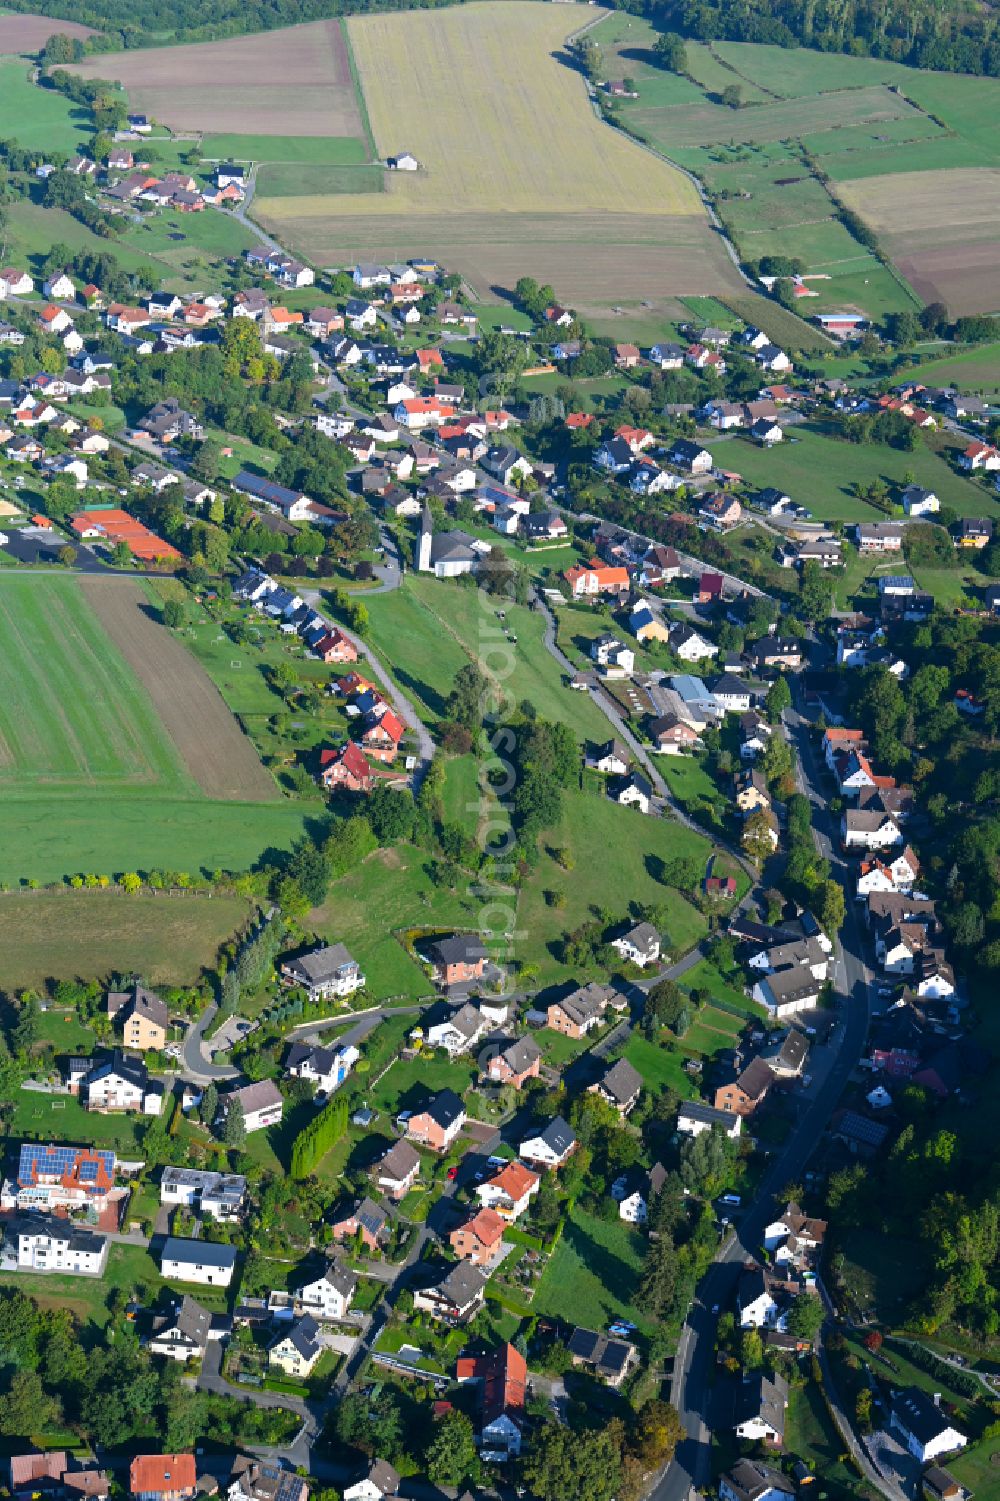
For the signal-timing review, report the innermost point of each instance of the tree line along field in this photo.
(862, 122)
(510, 159)
(107, 724)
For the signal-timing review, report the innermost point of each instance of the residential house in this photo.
(455, 1297)
(141, 1017)
(667, 356)
(550, 1147)
(261, 1104)
(917, 501)
(688, 644)
(671, 736)
(509, 1191)
(879, 536)
(162, 1477)
(515, 1063)
(328, 971)
(53, 1178)
(689, 456)
(365, 1219)
(747, 1091)
(722, 512)
(116, 1083)
(587, 579)
(183, 1333)
(634, 1192)
(264, 1480)
(397, 1170)
(382, 735)
(620, 1086)
(633, 791)
(459, 1031)
(458, 960)
(346, 768)
(759, 1409)
(626, 356)
(640, 945)
(577, 1013)
(753, 1480)
(220, 1196)
(45, 1243)
(693, 1118)
(920, 1422)
(377, 1480)
(327, 1068)
(438, 1123)
(752, 793)
(295, 1351)
(869, 829)
(56, 1474)
(329, 1295)
(502, 1376)
(731, 693)
(760, 1303)
(610, 1359)
(611, 758)
(479, 1239)
(197, 1261)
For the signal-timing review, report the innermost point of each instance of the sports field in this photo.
(292, 82)
(111, 735)
(941, 228)
(510, 157)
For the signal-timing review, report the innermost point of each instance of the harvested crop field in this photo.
(218, 755)
(292, 82)
(590, 257)
(941, 229)
(27, 34)
(509, 157)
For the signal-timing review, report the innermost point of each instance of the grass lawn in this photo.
(593, 1275)
(411, 1080)
(332, 151)
(462, 797)
(41, 1117)
(428, 629)
(977, 1471)
(661, 1068)
(617, 854)
(976, 369)
(78, 799)
(692, 786)
(63, 1030)
(809, 1433)
(820, 470)
(390, 891)
(37, 118)
(560, 1050)
(705, 976)
(245, 455)
(62, 935)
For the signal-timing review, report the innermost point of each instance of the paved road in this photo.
(197, 1068)
(693, 1364)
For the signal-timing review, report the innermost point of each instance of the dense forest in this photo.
(941, 34)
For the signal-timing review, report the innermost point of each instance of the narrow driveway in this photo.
(197, 1067)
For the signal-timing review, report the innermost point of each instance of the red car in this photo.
(453, 1173)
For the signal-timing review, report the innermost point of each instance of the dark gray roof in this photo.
(608, 1356)
(622, 1082)
(304, 1335)
(444, 1108)
(557, 1136)
(915, 1411)
(460, 948)
(204, 1252)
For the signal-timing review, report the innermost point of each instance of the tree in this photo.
(209, 1104)
(732, 96)
(806, 1316)
(757, 838)
(121, 553)
(173, 614)
(451, 1454)
(658, 1431)
(26, 1407)
(67, 556)
(829, 907)
(751, 1350)
(207, 460)
(779, 698)
(234, 1129)
(467, 703)
(658, 1284)
(563, 1465)
(671, 52)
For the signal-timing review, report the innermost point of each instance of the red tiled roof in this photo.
(514, 1180)
(162, 1472)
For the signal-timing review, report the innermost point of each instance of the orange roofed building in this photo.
(114, 526)
(596, 578)
(162, 1477)
(503, 1377)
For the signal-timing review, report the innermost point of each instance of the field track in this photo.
(218, 755)
(292, 82)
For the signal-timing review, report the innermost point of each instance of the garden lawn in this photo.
(705, 976)
(387, 893)
(819, 471)
(977, 1470)
(593, 1275)
(809, 1433)
(169, 940)
(615, 852)
(462, 797)
(43, 1117)
(411, 1080)
(660, 1067)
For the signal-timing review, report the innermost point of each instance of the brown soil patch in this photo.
(218, 755)
(966, 278)
(292, 82)
(27, 34)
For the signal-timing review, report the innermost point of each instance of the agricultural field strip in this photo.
(219, 756)
(70, 708)
(230, 86)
